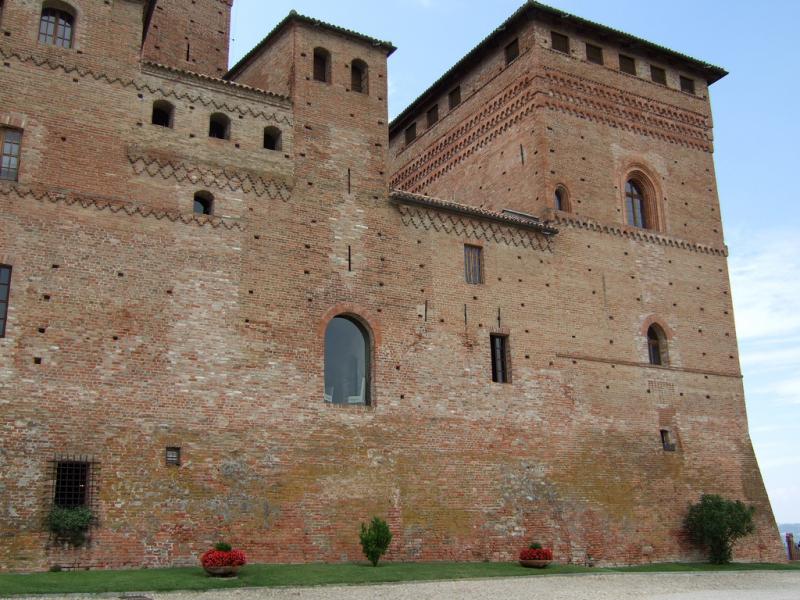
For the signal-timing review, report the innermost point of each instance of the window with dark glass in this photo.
(627, 64)
(322, 65)
(500, 371)
(55, 28)
(666, 441)
(594, 54)
(656, 345)
(433, 115)
(634, 205)
(559, 42)
(10, 141)
(72, 484)
(687, 85)
(473, 264)
(411, 133)
(219, 126)
(658, 75)
(347, 358)
(162, 113)
(358, 76)
(203, 203)
(454, 97)
(5, 288)
(512, 51)
(272, 138)
(173, 456)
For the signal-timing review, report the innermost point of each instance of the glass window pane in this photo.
(346, 368)
(5, 275)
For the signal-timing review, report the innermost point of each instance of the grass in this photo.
(194, 578)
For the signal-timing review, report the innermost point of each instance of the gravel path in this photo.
(750, 585)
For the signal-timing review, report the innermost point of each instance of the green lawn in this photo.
(193, 578)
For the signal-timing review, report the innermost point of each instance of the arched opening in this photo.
(657, 346)
(641, 202)
(347, 362)
(359, 76)
(272, 138)
(57, 24)
(219, 126)
(561, 199)
(635, 205)
(163, 113)
(203, 203)
(322, 65)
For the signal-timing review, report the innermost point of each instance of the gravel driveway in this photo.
(772, 585)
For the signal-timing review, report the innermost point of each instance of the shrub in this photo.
(375, 539)
(70, 524)
(536, 554)
(717, 523)
(223, 558)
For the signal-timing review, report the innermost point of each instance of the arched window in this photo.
(272, 138)
(203, 203)
(347, 362)
(219, 126)
(359, 76)
(163, 113)
(657, 346)
(561, 199)
(56, 26)
(322, 65)
(635, 205)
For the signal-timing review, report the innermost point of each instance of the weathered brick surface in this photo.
(158, 328)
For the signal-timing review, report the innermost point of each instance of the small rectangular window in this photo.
(500, 370)
(512, 51)
(658, 75)
(433, 115)
(72, 484)
(594, 54)
(560, 42)
(687, 85)
(411, 133)
(173, 456)
(666, 441)
(10, 141)
(454, 97)
(473, 264)
(5, 286)
(627, 64)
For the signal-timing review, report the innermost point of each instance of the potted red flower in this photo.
(222, 560)
(535, 556)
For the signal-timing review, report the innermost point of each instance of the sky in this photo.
(755, 131)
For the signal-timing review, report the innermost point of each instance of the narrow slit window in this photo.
(561, 200)
(687, 85)
(454, 97)
(500, 371)
(658, 75)
(627, 64)
(411, 133)
(358, 77)
(173, 456)
(594, 54)
(72, 487)
(559, 42)
(512, 51)
(10, 141)
(473, 264)
(5, 288)
(433, 115)
(55, 28)
(666, 441)
(657, 346)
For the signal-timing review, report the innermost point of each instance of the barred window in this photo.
(55, 28)
(658, 75)
(687, 85)
(173, 456)
(594, 54)
(10, 141)
(627, 64)
(5, 286)
(72, 483)
(560, 42)
(433, 115)
(500, 370)
(473, 264)
(454, 97)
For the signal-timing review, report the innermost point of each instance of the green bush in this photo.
(717, 523)
(70, 524)
(375, 539)
(223, 547)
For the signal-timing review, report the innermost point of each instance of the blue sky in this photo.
(756, 127)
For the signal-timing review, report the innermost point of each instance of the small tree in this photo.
(717, 523)
(375, 539)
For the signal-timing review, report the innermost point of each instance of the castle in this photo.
(241, 304)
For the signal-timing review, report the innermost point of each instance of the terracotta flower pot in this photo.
(227, 571)
(537, 564)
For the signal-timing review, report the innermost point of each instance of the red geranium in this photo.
(536, 554)
(220, 558)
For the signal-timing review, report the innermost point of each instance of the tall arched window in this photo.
(359, 76)
(162, 113)
(322, 65)
(347, 362)
(203, 203)
(635, 205)
(657, 346)
(219, 126)
(56, 26)
(272, 138)
(561, 199)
